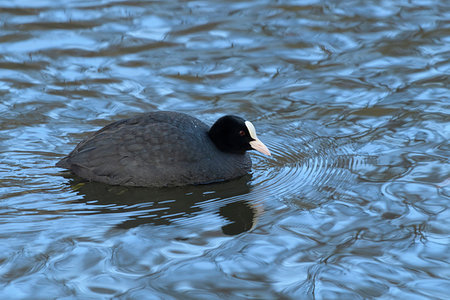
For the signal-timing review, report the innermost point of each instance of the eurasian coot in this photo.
(165, 149)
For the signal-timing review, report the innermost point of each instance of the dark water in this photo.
(352, 98)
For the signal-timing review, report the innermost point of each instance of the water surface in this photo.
(351, 97)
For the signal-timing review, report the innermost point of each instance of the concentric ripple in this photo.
(307, 167)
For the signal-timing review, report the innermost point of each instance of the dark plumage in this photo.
(165, 149)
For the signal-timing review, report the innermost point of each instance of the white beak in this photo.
(260, 147)
(256, 144)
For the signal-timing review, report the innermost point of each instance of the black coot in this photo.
(165, 149)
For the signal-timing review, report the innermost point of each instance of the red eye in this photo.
(242, 132)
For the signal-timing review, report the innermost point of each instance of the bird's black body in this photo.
(157, 149)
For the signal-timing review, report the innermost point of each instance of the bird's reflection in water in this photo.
(242, 215)
(164, 206)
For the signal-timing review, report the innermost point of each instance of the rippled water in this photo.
(351, 97)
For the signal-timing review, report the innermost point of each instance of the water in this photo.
(351, 97)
